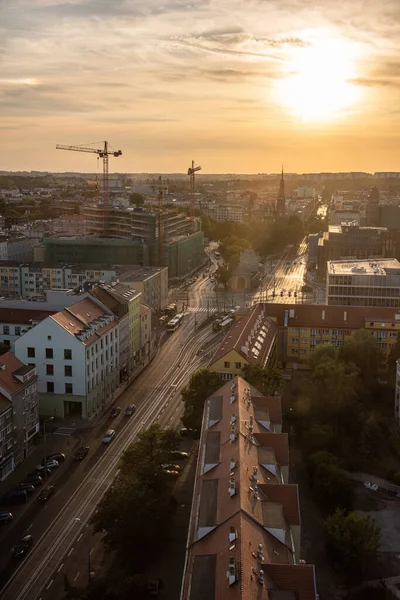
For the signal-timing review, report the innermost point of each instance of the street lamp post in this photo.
(44, 439)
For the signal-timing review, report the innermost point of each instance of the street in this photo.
(62, 540)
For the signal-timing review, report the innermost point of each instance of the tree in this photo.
(144, 457)
(353, 540)
(223, 274)
(136, 198)
(267, 381)
(201, 385)
(361, 350)
(322, 457)
(332, 488)
(322, 354)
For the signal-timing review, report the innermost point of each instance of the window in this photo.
(238, 365)
(7, 342)
(49, 352)
(49, 369)
(50, 386)
(68, 371)
(49, 337)
(68, 388)
(31, 352)
(17, 330)
(227, 364)
(226, 376)
(6, 329)
(67, 354)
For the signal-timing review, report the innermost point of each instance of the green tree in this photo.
(267, 381)
(353, 541)
(322, 354)
(394, 354)
(361, 350)
(201, 385)
(317, 459)
(136, 198)
(332, 488)
(153, 448)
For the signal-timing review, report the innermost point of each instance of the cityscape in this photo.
(199, 314)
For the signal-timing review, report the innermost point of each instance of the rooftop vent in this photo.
(261, 577)
(231, 572)
(233, 418)
(233, 398)
(232, 486)
(232, 464)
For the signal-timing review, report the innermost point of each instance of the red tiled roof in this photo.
(79, 317)
(295, 578)
(7, 379)
(22, 316)
(237, 337)
(279, 442)
(286, 495)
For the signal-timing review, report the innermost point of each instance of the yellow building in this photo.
(252, 340)
(303, 327)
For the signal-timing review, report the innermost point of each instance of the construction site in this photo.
(134, 235)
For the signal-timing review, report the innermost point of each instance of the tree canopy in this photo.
(201, 385)
(353, 540)
(267, 381)
(136, 198)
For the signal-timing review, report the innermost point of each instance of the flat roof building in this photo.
(363, 282)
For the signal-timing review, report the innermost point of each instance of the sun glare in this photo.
(318, 84)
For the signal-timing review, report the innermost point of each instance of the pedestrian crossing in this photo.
(200, 309)
(65, 431)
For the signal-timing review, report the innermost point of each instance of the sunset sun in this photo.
(318, 85)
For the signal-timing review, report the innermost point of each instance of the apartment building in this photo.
(303, 327)
(223, 212)
(145, 332)
(244, 531)
(16, 248)
(19, 415)
(251, 341)
(363, 283)
(14, 322)
(124, 303)
(349, 241)
(151, 282)
(76, 355)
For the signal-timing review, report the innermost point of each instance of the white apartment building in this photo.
(151, 282)
(76, 355)
(223, 212)
(373, 282)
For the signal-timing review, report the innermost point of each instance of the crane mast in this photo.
(102, 153)
(191, 172)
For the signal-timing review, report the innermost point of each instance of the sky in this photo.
(236, 85)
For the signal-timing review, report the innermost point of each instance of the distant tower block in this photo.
(372, 209)
(281, 200)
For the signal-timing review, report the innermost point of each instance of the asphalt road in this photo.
(62, 539)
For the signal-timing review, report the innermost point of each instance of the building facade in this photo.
(19, 414)
(76, 356)
(244, 531)
(151, 282)
(363, 283)
(16, 248)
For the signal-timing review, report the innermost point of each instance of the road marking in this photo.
(30, 527)
(90, 553)
(49, 584)
(76, 575)
(70, 552)
(60, 567)
(79, 538)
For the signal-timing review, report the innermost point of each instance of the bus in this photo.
(176, 322)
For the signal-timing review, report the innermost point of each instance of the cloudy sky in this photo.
(237, 85)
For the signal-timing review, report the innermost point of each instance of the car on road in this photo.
(109, 436)
(130, 409)
(23, 546)
(58, 456)
(179, 454)
(81, 452)
(172, 472)
(51, 464)
(15, 497)
(46, 493)
(170, 467)
(115, 412)
(5, 517)
(28, 487)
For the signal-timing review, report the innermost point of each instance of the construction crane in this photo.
(103, 153)
(191, 172)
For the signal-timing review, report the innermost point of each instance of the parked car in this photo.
(23, 546)
(170, 467)
(35, 479)
(81, 452)
(172, 472)
(28, 487)
(130, 409)
(46, 493)
(15, 497)
(109, 436)
(5, 517)
(115, 412)
(58, 456)
(179, 454)
(186, 432)
(51, 464)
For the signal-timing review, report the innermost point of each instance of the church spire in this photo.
(281, 201)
